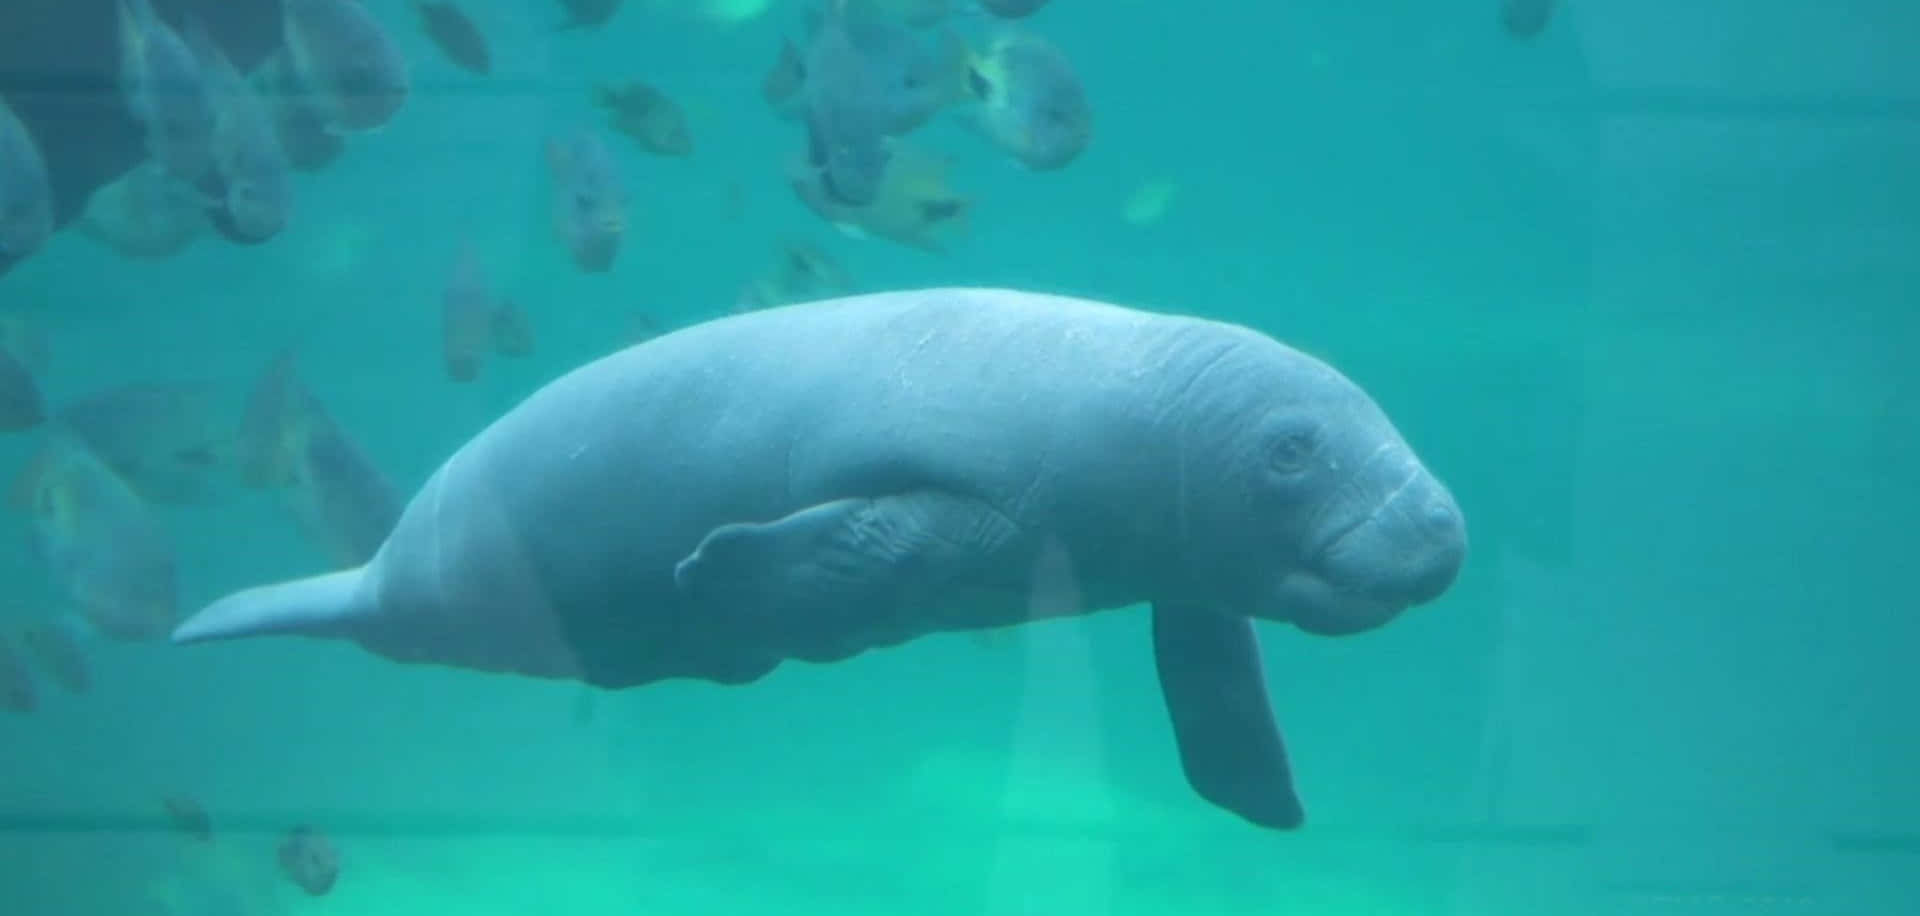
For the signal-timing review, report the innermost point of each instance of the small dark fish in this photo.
(59, 653)
(188, 817)
(16, 686)
(21, 406)
(461, 40)
(1524, 19)
(588, 14)
(1012, 9)
(647, 115)
(309, 859)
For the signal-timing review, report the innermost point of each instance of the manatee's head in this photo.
(1317, 511)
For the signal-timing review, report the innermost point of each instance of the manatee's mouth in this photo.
(1377, 565)
(1317, 606)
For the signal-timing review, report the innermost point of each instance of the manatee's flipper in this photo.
(323, 605)
(841, 576)
(1216, 693)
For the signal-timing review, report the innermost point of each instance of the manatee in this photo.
(816, 480)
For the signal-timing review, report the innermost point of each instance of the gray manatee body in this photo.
(813, 481)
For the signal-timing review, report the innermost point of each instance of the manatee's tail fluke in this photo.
(318, 606)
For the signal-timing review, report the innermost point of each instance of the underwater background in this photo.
(1639, 286)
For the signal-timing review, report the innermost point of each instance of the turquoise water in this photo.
(1640, 289)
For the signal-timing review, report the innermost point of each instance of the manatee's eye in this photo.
(1292, 449)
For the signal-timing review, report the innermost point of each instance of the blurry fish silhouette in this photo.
(101, 542)
(21, 406)
(58, 652)
(167, 440)
(455, 32)
(589, 199)
(189, 817)
(345, 62)
(17, 692)
(25, 340)
(864, 80)
(655, 122)
(145, 213)
(26, 196)
(1012, 9)
(337, 496)
(1523, 19)
(475, 323)
(309, 860)
(466, 318)
(249, 163)
(165, 91)
(512, 330)
(587, 14)
(310, 144)
(781, 85)
(913, 205)
(802, 271)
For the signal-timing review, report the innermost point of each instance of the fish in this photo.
(1012, 9)
(247, 156)
(456, 35)
(147, 213)
(188, 816)
(170, 441)
(914, 205)
(864, 80)
(655, 122)
(345, 61)
(58, 652)
(310, 144)
(512, 331)
(466, 318)
(589, 199)
(165, 91)
(309, 860)
(803, 271)
(25, 340)
(17, 692)
(102, 544)
(587, 14)
(1524, 19)
(337, 496)
(1029, 101)
(21, 404)
(26, 196)
(476, 323)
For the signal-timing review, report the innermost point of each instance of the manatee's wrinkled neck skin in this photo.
(1210, 418)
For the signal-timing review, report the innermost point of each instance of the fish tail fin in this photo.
(323, 605)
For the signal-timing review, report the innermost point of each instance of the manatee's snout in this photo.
(1439, 548)
(1405, 549)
